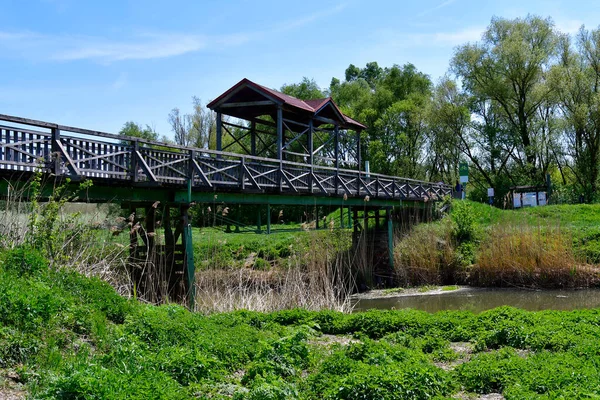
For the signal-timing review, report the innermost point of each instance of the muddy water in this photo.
(478, 300)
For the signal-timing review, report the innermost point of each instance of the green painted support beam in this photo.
(140, 193)
(349, 217)
(258, 223)
(390, 236)
(268, 219)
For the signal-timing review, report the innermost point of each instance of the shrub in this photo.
(24, 260)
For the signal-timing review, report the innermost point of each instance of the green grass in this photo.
(580, 222)
(391, 291)
(427, 288)
(66, 336)
(449, 288)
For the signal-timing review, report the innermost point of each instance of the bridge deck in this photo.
(113, 160)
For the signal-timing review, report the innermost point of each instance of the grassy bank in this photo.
(65, 336)
(552, 246)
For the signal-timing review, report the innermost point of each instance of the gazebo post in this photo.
(337, 156)
(358, 149)
(310, 146)
(219, 132)
(280, 145)
(253, 138)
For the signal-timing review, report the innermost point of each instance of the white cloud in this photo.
(439, 6)
(146, 46)
(141, 48)
(445, 39)
(302, 21)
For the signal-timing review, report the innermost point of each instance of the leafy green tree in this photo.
(509, 67)
(576, 80)
(305, 90)
(195, 129)
(132, 129)
(448, 118)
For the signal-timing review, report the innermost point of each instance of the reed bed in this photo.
(530, 256)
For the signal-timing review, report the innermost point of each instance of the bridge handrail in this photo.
(174, 149)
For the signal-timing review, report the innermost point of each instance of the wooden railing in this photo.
(28, 145)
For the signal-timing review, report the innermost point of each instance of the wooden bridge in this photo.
(287, 151)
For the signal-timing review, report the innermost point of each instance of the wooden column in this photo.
(188, 259)
(280, 145)
(219, 132)
(134, 160)
(57, 165)
(390, 235)
(358, 150)
(337, 157)
(310, 145)
(253, 138)
(268, 219)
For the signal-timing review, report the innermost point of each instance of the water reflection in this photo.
(478, 300)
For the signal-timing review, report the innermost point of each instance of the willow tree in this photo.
(509, 66)
(576, 80)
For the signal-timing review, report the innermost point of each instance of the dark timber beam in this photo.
(253, 138)
(280, 145)
(248, 104)
(219, 133)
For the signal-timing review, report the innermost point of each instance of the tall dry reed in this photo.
(318, 277)
(426, 255)
(522, 255)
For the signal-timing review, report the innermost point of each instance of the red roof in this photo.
(311, 106)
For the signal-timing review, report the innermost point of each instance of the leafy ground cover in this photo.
(66, 336)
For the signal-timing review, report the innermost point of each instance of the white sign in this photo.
(517, 200)
(464, 179)
(542, 198)
(529, 199)
(490, 192)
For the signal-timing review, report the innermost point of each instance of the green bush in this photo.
(24, 260)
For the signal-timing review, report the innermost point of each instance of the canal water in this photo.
(481, 299)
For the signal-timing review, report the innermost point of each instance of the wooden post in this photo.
(253, 138)
(342, 216)
(358, 149)
(219, 133)
(337, 157)
(189, 268)
(280, 145)
(268, 219)
(56, 166)
(310, 146)
(349, 217)
(258, 222)
(390, 235)
(134, 160)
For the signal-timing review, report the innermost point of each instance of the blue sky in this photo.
(98, 64)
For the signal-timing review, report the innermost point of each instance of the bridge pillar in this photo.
(268, 219)
(161, 271)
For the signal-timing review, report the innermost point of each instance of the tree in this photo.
(509, 68)
(576, 80)
(305, 90)
(448, 118)
(194, 129)
(132, 129)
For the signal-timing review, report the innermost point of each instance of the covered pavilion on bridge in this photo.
(277, 125)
